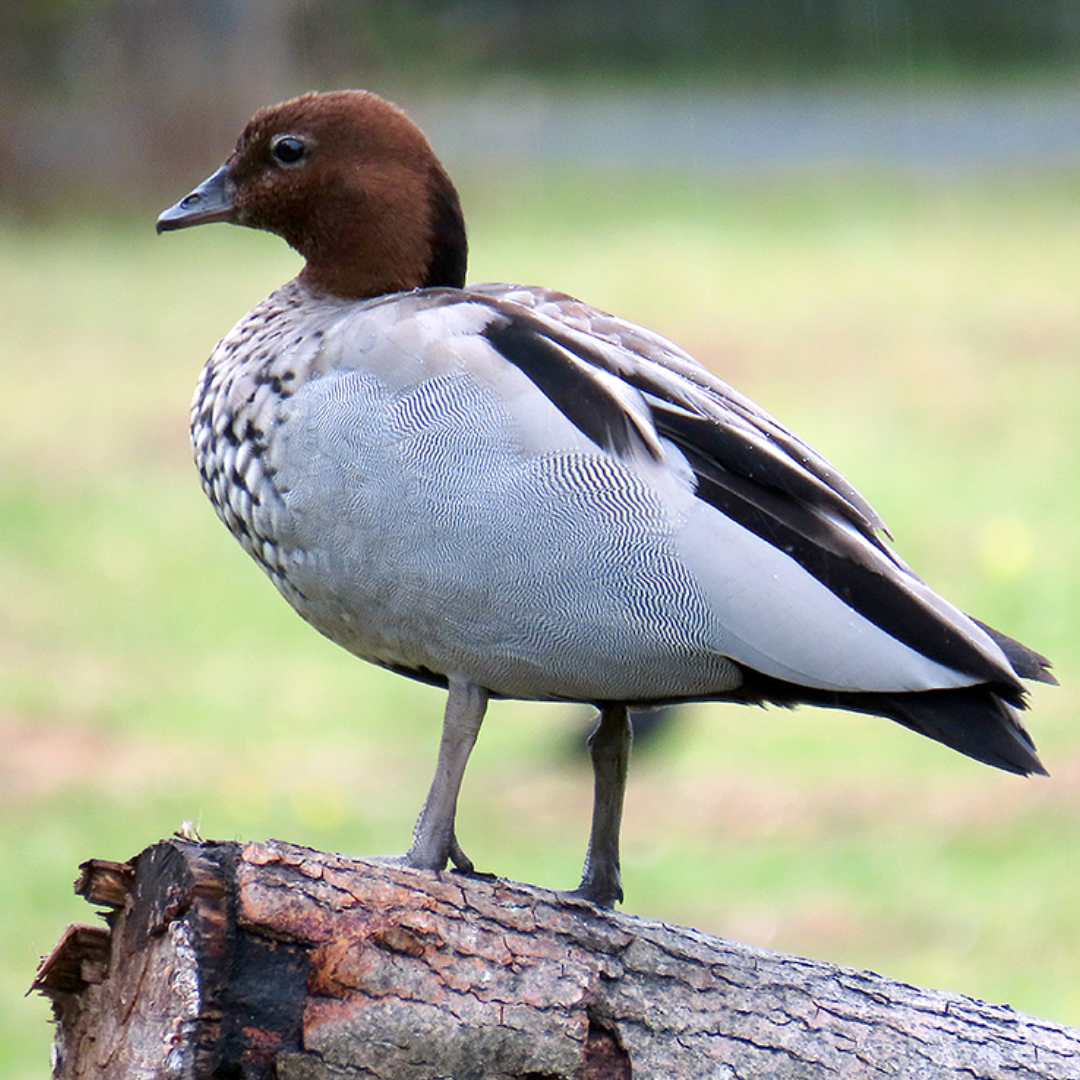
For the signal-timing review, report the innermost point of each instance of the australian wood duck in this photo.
(505, 491)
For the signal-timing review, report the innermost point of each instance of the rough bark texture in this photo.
(270, 960)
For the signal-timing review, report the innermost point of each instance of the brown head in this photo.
(350, 182)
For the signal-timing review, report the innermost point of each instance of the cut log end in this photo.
(271, 960)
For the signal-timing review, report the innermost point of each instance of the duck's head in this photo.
(350, 182)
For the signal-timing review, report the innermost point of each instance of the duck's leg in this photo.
(609, 746)
(434, 841)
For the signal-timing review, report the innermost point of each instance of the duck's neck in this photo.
(366, 257)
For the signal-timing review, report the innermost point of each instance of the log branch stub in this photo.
(104, 883)
(272, 960)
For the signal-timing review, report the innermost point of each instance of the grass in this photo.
(924, 335)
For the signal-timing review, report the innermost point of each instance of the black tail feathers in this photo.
(974, 720)
(981, 721)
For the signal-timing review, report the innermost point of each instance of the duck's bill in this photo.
(210, 201)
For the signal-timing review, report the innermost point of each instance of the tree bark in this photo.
(271, 960)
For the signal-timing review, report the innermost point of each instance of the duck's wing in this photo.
(687, 402)
(631, 391)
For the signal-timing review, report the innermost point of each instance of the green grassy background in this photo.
(922, 333)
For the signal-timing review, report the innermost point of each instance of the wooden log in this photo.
(270, 960)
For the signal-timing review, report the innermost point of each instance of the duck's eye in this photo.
(288, 149)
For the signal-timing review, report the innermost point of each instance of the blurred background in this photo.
(863, 213)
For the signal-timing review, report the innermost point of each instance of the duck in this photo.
(506, 492)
